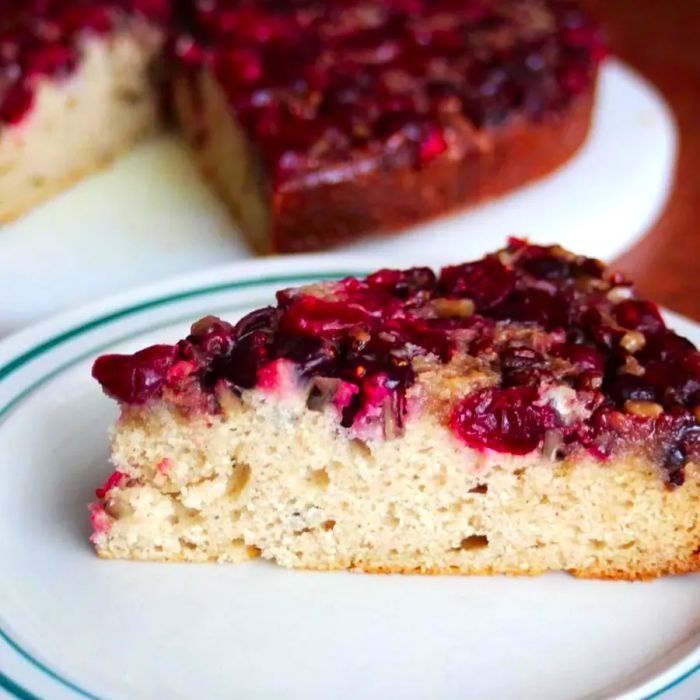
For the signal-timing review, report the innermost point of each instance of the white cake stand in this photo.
(151, 216)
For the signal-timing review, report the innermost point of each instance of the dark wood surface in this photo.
(661, 39)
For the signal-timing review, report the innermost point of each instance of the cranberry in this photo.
(590, 267)
(504, 420)
(427, 336)
(96, 19)
(242, 64)
(404, 283)
(249, 354)
(15, 104)
(677, 434)
(575, 78)
(134, 379)
(212, 337)
(521, 365)
(431, 146)
(154, 9)
(486, 282)
(582, 357)
(666, 346)
(113, 480)
(549, 267)
(532, 306)
(313, 356)
(309, 315)
(675, 383)
(265, 318)
(639, 315)
(597, 326)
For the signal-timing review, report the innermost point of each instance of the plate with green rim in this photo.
(74, 626)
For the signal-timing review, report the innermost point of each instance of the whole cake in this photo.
(517, 414)
(317, 120)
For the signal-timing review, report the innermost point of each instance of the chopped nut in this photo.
(632, 366)
(118, 508)
(633, 341)
(204, 324)
(552, 448)
(590, 284)
(422, 363)
(229, 402)
(645, 409)
(504, 257)
(562, 253)
(360, 336)
(617, 294)
(459, 308)
(322, 391)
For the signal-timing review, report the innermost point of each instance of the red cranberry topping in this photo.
(535, 306)
(583, 357)
(504, 420)
(404, 283)
(486, 282)
(134, 379)
(639, 315)
(320, 82)
(538, 326)
(114, 479)
(309, 315)
(521, 366)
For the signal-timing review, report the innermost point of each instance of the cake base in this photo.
(286, 483)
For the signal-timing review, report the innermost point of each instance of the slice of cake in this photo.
(517, 414)
(322, 120)
(76, 90)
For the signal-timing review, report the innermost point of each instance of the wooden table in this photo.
(661, 39)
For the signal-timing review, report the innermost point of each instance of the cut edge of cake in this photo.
(309, 497)
(80, 123)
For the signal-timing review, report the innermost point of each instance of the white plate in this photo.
(151, 215)
(74, 626)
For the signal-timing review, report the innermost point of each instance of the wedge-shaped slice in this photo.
(517, 414)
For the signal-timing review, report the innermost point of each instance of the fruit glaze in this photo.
(324, 83)
(577, 363)
(42, 39)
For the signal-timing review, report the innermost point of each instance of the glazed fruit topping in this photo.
(321, 82)
(577, 361)
(504, 420)
(42, 38)
(135, 378)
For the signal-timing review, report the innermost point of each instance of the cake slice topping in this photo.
(529, 348)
